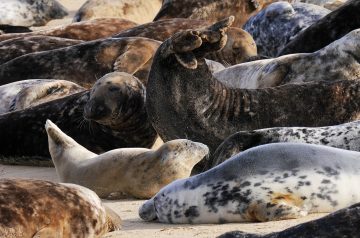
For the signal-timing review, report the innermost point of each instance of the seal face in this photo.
(84, 63)
(34, 208)
(30, 12)
(273, 27)
(139, 11)
(339, 223)
(133, 172)
(344, 136)
(269, 182)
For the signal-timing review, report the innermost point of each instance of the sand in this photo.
(133, 226)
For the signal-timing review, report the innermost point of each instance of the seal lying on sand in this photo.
(136, 172)
(273, 27)
(10, 49)
(239, 48)
(266, 183)
(115, 118)
(35, 208)
(28, 93)
(84, 63)
(86, 30)
(184, 100)
(30, 12)
(344, 136)
(139, 11)
(337, 61)
(212, 10)
(342, 223)
(328, 29)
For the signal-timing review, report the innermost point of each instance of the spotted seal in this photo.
(328, 29)
(342, 223)
(30, 12)
(12, 48)
(111, 115)
(273, 27)
(239, 48)
(86, 30)
(136, 172)
(27, 93)
(299, 68)
(84, 63)
(266, 183)
(344, 136)
(35, 208)
(139, 11)
(212, 10)
(184, 100)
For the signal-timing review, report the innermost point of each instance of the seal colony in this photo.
(266, 183)
(344, 136)
(84, 63)
(184, 100)
(115, 116)
(34, 208)
(136, 172)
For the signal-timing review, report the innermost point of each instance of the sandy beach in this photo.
(133, 226)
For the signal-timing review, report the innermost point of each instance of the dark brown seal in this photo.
(35, 208)
(212, 10)
(328, 29)
(184, 100)
(10, 49)
(86, 30)
(239, 48)
(342, 223)
(115, 118)
(84, 63)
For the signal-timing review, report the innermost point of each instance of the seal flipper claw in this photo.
(222, 25)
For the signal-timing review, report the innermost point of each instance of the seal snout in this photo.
(147, 211)
(94, 110)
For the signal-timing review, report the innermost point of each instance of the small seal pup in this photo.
(273, 27)
(139, 11)
(86, 30)
(111, 115)
(35, 208)
(266, 183)
(135, 172)
(344, 136)
(239, 48)
(298, 68)
(328, 29)
(342, 223)
(32, 92)
(30, 12)
(184, 100)
(84, 63)
(12, 48)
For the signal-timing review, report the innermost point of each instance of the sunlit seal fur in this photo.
(344, 136)
(135, 172)
(273, 27)
(212, 10)
(10, 49)
(338, 61)
(328, 29)
(184, 100)
(115, 118)
(342, 223)
(329, 4)
(86, 30)
(30, 12)
(32, 92)
(266, 183)
(239, 48)
(139, 11)
(84, 63)
(35, 208)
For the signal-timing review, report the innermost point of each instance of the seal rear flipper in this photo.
(113, 220)
(132, 60)
(48, 232)
(58, 137)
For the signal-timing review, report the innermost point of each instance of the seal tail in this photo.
(113, 220)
